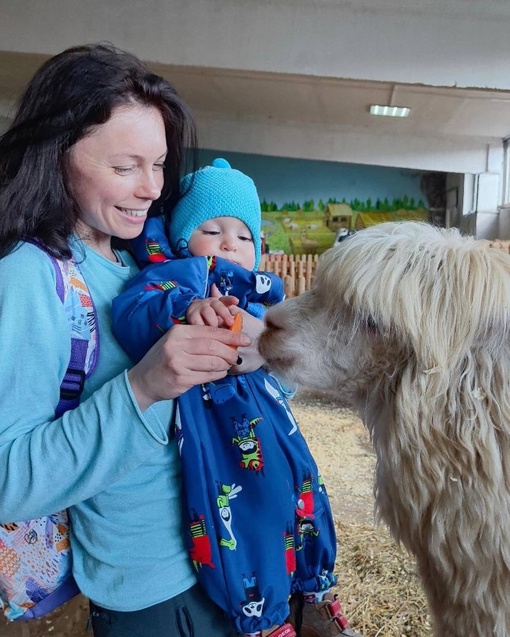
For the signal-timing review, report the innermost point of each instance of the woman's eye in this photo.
(123, 170)
(159, 166)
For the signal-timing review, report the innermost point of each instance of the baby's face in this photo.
(225, 237)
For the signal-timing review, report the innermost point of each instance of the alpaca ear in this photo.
(452, 390)
(460, 305)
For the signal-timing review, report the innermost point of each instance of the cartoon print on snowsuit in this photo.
(281, 537)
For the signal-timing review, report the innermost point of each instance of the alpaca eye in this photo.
(371, 324)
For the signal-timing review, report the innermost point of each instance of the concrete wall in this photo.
(504, 222)
(461, 43)
(319, 142)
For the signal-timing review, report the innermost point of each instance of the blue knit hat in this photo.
(216, 191)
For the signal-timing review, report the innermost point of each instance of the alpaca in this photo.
(410, 325)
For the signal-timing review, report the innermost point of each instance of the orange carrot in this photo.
(237, 325)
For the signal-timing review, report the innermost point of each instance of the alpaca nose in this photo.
(270, 322)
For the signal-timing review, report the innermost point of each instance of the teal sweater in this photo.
(116, 470)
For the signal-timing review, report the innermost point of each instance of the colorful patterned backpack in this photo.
(35, 555)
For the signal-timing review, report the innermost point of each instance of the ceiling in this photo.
(339, 104)
(343, 103)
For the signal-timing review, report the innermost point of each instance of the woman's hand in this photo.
(185, 356)
(249, 354)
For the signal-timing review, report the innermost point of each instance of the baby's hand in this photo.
(213, 312)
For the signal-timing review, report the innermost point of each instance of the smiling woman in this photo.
(97, 145)
(116, 173)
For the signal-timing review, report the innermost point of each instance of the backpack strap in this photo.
(81, 313)
(36, 572)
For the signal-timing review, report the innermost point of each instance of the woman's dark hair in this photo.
(70, 94)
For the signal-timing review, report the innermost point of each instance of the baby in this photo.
(261, 531)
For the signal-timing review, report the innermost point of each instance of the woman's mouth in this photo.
(133, 213)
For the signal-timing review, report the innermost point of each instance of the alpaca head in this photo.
(394, 300)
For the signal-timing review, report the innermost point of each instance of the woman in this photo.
(97, 142)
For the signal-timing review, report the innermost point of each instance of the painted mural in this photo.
(311, 228)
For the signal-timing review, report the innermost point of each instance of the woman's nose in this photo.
(150, 186)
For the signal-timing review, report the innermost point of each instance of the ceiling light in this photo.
(390, 111)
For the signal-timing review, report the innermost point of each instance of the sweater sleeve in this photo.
(48, 464)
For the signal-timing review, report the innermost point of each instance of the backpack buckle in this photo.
(73, 384)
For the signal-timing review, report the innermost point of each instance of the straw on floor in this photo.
(379, 589)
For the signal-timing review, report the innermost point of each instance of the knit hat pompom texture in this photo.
(216, 191)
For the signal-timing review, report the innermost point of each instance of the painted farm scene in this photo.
(312, 228)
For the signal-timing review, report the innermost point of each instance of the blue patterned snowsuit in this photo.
(257, 516)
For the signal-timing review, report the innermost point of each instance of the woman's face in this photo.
(116, 172)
